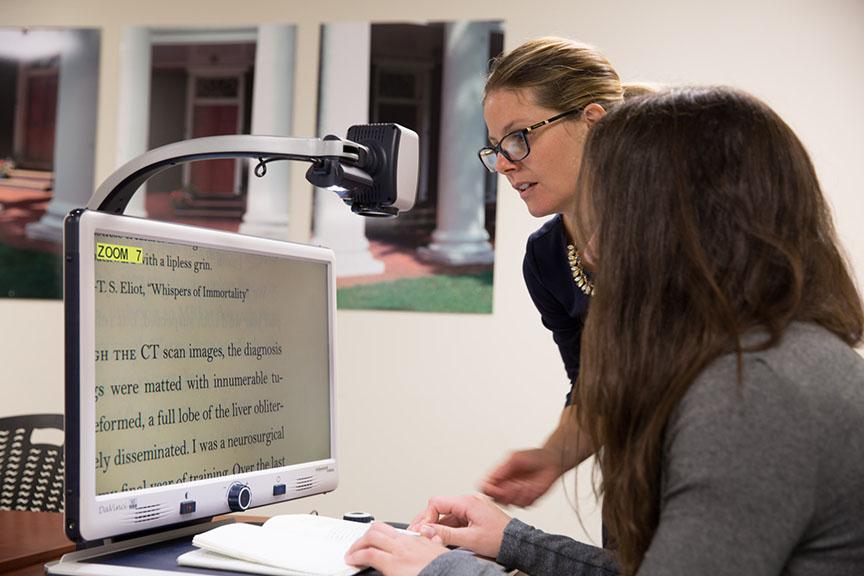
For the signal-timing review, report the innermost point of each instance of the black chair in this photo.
(31, 469)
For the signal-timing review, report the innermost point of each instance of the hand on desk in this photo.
(471, 522)
(393, 553)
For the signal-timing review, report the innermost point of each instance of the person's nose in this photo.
(503, 165)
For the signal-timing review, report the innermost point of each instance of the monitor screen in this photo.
(199, 373)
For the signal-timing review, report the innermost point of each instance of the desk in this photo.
(30, 539)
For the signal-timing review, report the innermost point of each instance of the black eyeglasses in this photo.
(514, 146)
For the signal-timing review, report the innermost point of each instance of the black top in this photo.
(561, 303)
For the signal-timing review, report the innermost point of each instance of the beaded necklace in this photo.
(579, 275)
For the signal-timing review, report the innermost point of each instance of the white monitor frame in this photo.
(91, 517)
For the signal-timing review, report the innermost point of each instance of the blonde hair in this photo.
(562, 74)
(634, 89)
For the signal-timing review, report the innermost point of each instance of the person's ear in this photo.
(593, 112)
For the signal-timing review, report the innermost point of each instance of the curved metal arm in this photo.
(115, 192)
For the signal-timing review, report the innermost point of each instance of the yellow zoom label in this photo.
(117, 253)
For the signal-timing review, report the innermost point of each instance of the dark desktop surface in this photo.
(158, 556)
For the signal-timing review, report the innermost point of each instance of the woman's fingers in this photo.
(439, 510)
(393, 553)
(378, 536)
(374, 557)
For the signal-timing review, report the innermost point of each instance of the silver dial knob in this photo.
(239, 497)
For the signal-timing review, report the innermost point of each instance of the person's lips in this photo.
(523, 187)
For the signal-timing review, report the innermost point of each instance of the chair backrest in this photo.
(31, 465)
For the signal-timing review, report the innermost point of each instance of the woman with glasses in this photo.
(719, 372)
(540, 102)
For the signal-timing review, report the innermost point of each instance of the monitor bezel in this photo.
(90, 517)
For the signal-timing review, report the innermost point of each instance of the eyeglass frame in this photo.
(496, 150)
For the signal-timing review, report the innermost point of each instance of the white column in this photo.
(75, 133)
(460, 236)
(133, 105)
(267, 198)
(344, 101)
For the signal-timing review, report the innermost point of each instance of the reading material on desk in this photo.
(285, 545)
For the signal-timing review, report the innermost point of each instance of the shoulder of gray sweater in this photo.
(809, 366)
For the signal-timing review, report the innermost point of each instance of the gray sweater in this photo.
(765, 479)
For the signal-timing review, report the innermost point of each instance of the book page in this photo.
(331, 529)
(201, 558)
(304, 543)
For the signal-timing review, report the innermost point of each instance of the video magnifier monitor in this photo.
(199, 373)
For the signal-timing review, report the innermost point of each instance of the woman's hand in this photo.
(471, 522)
(393, 553)
(523, 477)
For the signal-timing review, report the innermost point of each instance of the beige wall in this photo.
(458, 391)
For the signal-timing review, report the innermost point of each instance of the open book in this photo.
(285, 545)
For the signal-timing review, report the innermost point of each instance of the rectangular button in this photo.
(187, 506)
(278, 489)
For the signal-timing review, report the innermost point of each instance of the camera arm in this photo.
(364, 178)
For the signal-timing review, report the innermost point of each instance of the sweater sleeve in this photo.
(537, 553)
(739, 479)
(531, 551)
(460, 563)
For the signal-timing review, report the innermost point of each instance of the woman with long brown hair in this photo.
(719, 376)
